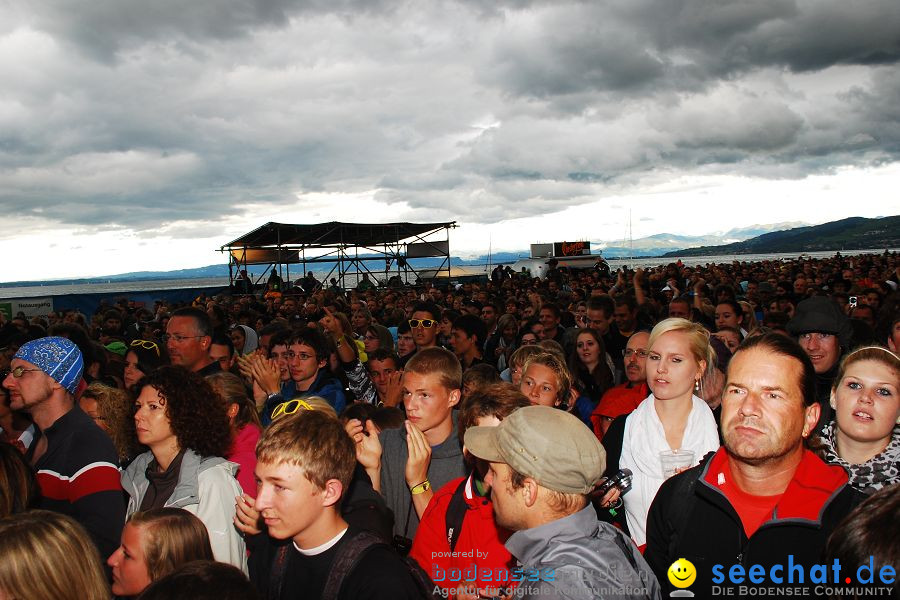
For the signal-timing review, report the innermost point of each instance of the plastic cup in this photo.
(675, 461)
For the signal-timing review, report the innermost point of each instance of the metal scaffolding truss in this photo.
(347, 250)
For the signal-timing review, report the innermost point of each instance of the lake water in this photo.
(174, 284)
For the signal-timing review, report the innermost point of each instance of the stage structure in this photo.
(344, 251)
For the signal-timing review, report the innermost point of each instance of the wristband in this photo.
(420, 488)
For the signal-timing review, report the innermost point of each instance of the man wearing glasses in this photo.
(76, 463)
(424, 325)
(307, 360)
(188, 339)
(624, 398)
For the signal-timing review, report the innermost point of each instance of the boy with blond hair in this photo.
(305, 462)
(407, 465)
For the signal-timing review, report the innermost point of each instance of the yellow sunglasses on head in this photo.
(285, 408)
(146, 345)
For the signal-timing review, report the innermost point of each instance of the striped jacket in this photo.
(78, 476)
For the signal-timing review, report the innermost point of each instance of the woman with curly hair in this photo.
(183, 422)
(110, 408)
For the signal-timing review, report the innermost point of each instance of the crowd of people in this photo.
(571, 436)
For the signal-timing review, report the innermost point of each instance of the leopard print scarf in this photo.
(879, 471)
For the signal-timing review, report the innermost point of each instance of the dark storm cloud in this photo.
(101, 28)
(647, 46)
(126, 114)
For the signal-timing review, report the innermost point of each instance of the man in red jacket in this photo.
(763, 503)
(462, 511)
(624, 398)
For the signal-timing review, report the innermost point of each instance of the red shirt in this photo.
(480, 542)
(618, 401)
(813, 483)
(243, 452)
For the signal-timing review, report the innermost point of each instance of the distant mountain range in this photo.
(855, 233)
(656, 245)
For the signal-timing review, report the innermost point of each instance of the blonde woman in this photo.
(155, 543)
(864, 437)
(48, 556)
(672, 417)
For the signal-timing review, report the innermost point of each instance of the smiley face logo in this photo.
(682, 573)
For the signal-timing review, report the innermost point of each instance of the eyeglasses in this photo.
(370, 338)
(300, 355)
(180, 338)
(629, 352)
(426, 323)
(19, 371)
(290, 407)
(148, 345)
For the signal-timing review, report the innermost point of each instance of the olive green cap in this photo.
(550, 445)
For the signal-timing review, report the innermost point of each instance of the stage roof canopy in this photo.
(334, 234)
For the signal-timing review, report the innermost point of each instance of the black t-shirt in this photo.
(379, 575)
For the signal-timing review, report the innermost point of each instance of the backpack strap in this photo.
(456, 513)
(348, 555)
(276, 576)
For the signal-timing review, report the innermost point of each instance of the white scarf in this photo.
(644, 439)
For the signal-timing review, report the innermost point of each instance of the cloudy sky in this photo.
(143, 135)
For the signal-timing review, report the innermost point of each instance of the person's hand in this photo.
(368, 446)
(246, 518)
(698, 286)
(245, 365)
(393, 394)
(419, 455)
(266, 373)
(638, 275)
(332, 324)
(610, 497)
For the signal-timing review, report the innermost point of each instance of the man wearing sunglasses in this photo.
(424, 325)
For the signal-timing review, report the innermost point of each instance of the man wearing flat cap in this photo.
(76, 462)
(824, 333)
(543, 464)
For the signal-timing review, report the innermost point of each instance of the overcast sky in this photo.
(141, 134)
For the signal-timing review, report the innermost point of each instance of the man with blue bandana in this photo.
(74, 459)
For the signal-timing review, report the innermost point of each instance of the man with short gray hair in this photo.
(543, 464)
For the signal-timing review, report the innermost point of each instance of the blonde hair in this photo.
(698, 340)
(172, 537)
(49, 556)
(115, 406)
(521, 355)
(437, 361)
(555, 363)
(750, 322)
(313, 440)
(875, 353)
